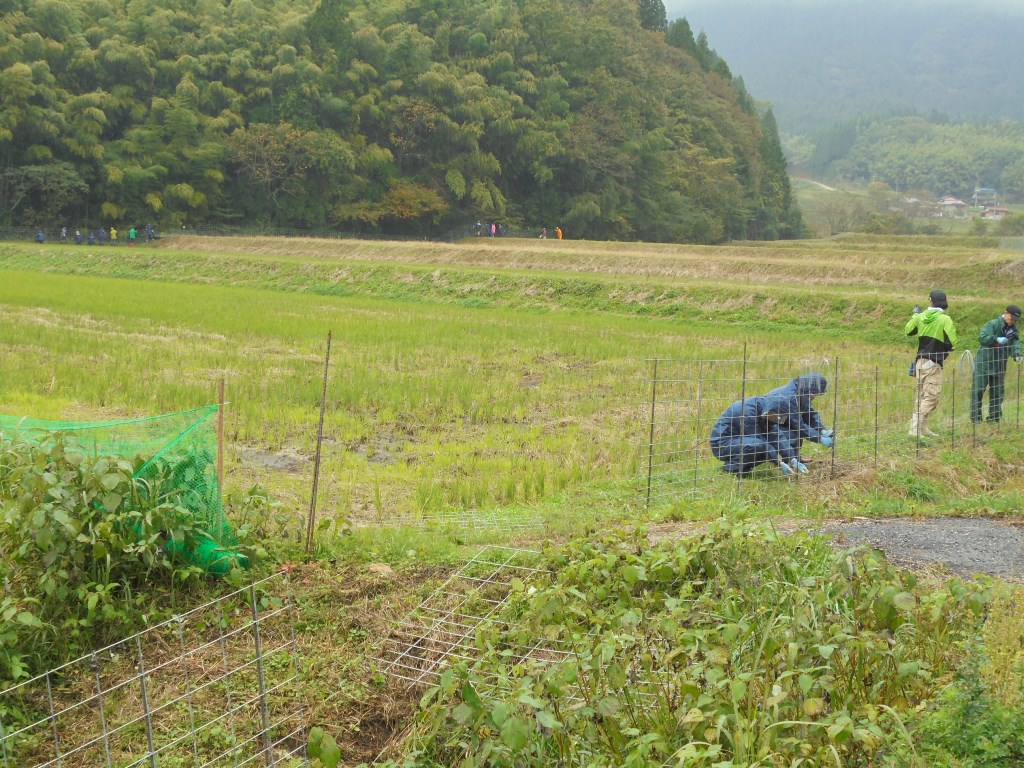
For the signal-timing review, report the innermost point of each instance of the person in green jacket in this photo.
(999, 341)
(936, 338)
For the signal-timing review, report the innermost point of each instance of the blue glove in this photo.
(798, 465)
(826, 440)
(785, 469)
(1001, 341)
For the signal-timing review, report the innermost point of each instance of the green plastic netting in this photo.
(176, 456)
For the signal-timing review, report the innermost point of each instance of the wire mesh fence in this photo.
(869, 403)
(215, 687)
(443, 628)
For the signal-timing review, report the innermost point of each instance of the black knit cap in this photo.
(938, 299)
(1014, 310)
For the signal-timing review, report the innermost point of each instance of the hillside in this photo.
(396, 116)
(823, 62)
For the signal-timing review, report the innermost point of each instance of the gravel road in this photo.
(965, 546)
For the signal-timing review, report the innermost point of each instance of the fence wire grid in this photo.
(216, 687)
(444, 628)
(869, 403)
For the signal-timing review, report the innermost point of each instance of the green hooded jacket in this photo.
(936, 334)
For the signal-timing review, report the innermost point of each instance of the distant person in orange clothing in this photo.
(558, 232)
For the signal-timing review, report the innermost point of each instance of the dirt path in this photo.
(962, 546)
(965, 546)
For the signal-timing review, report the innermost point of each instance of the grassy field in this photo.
(472, 376)
(502, 377)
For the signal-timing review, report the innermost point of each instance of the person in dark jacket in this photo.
(804, 422)
(999, 340)
(936, 338)
(752, 432)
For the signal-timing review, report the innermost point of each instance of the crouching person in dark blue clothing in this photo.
(804, 423)
(753, 432)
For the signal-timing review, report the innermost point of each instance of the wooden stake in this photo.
(220, 437)
(319, 441)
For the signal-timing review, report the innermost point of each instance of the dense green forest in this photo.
(397, 116)
(923, 156)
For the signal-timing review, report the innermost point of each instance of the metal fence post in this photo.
(650, 440)
(952, 417)
(696, 449)
(180, 632)
(222, 625)
(917, 413)
(145, 703)
(876, 415)
(835, 418)
(94, 663)
(264, 713)
(743, 421)
(1018, 395)
(53, 720)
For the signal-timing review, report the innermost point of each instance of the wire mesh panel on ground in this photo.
(173, 459)
(869, 403)
(215, 687)
(443, 628)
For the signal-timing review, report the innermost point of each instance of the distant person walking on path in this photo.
(131, 236)
(999, 340)
(936, 338)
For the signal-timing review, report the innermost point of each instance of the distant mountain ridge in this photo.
(819, 63)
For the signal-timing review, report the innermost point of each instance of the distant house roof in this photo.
(954, 201)
(995, 212)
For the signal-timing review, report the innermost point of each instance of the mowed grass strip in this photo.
(847, 261)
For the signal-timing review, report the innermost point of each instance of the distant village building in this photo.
(995, 212)
(953, 207)
(985, 197)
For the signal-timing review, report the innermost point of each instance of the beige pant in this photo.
(929, 387)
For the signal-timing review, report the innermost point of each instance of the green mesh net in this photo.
(175, 456)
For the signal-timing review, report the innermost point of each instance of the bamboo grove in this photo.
(409, 117)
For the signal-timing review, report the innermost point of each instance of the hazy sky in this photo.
(676, 8)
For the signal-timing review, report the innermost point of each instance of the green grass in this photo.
(474, 376)
(502, 379)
